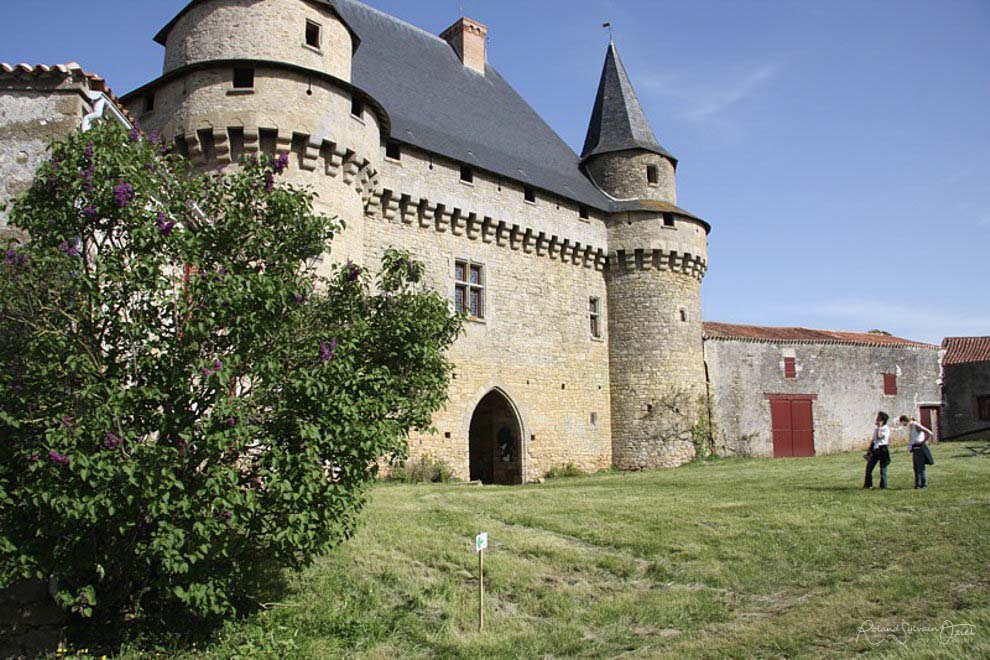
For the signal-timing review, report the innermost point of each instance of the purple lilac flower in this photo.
(34, 458)
(226, 515)
(135, 133)
(69, 249)
(88, 151)
(112, 441)
(67, 422)
(327, 350)
(207, 371)
(15, 258)
(353, 271)
(150, 166)
(58, 458)
(281, 162)
(231, 422)
(164, 226)
(123, 194)
(89, 211)
(223, 271)
(299, 298)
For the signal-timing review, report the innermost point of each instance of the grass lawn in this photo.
(740, 558)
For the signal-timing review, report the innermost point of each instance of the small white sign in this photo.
(481, 542)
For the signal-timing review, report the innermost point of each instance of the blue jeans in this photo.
(879, 455)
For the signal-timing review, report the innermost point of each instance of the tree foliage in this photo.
(183, 398)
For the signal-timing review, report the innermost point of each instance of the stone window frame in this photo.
(318, 47)
(465, 285)
(983, 407)
(396, 148)
(653, 175)
(790, 368)
(595, 317)
(243, 79)
(584, 214)
(467, 174)
(529, 195)
(669, 222)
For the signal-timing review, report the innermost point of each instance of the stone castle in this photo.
(579, 274)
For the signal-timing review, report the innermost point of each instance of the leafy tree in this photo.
(184, 400)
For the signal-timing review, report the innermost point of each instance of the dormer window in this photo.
(357, 106)
(313, 31)
(243, 77)
(652, 175)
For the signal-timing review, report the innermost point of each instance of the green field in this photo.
(741, 558)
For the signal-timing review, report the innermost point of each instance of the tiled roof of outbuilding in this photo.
(803, 336)
(69, 70)
(964, 350)
(618, 122)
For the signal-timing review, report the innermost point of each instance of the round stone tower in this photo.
(271, 76)
(658, 255)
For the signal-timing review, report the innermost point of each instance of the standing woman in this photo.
(879, 451)
(921, 456)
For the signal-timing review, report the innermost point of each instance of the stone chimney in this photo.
(467, 38)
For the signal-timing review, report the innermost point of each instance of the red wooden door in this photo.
(783, 438)
(802, 428)
(793, 427)
(929, 418)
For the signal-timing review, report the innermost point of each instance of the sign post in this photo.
(480, 545)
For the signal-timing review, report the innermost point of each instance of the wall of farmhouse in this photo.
(847, 380)
(535, 342)
(964, 384)
(33, 112)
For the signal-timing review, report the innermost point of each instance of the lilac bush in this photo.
(183, 400)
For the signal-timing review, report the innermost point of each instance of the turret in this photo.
(658, 254)
(272, 77)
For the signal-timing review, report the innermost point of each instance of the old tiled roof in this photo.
(803, 336)
(963, 350)
(69, 70)
(618, 122)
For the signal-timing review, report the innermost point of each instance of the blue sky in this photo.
(839, 149)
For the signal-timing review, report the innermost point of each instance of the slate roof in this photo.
(436, 103)
(618, 122)
(803, 336)
(966, 350)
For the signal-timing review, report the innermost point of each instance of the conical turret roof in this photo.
(618, 122)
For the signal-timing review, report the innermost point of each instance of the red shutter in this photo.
(790, 369)
(890, 384)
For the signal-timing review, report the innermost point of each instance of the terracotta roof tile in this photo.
(964, 350)
(803, 335)
(70, 69)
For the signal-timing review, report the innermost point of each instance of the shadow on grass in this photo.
(166, 628)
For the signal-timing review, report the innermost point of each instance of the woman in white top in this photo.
(879, 451)
(921, 455)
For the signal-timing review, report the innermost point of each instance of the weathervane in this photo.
(609, 27)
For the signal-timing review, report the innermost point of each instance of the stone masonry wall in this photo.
(535, 343)
(32, 114)
(272, 30)
(963, 384)
(847, 379)
(623, 175)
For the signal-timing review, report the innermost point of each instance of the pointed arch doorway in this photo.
(496, 441)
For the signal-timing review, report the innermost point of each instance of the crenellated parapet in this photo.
(436, 216)
(693, 265)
